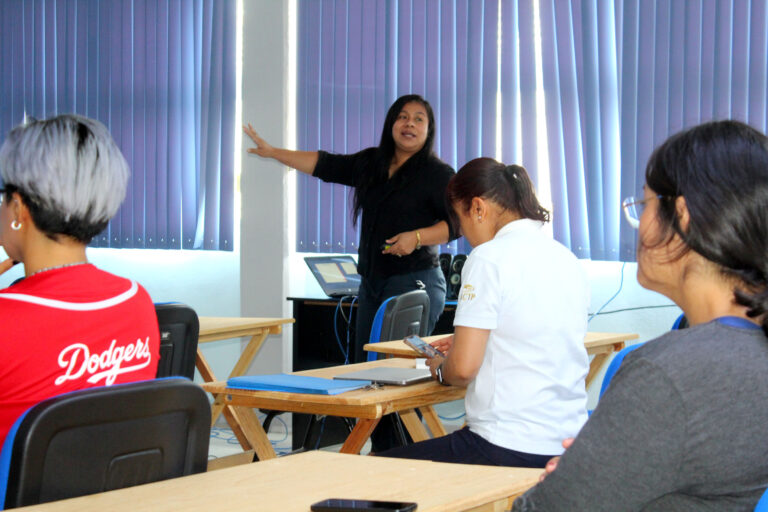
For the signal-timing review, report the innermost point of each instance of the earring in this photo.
(15, 225)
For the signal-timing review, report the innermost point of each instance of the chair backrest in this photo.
(179, 330)
(105, 438)
(615, 364)
(680, 323)
(399, 316)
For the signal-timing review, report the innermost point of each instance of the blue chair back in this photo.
(400, 316)
(680, 323)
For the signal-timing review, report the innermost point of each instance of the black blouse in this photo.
(413, 198)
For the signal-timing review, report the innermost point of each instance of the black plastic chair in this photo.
(400, 316)
(179, 331)
(106, 438)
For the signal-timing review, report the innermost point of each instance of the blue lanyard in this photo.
(738, 322)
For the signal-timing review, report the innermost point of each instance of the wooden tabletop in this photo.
(293, 483)
(595, 343)
(359, 403)
(214, 328)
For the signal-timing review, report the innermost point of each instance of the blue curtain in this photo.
(160, 74)
(618, 77)
(683, 63)
(355, 58)
(580, 83)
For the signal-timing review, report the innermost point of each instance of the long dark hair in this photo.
(506, 185)
(721, 170)
(387, 149)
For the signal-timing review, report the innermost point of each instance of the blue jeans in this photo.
(375, 291)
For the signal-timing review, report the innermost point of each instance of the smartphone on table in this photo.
(342, 505)
(422, 347)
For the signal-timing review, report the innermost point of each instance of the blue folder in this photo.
(294, 384)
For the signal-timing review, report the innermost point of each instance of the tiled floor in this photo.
(223, 441)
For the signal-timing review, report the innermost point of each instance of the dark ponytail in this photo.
(506, 185)
(721, 169)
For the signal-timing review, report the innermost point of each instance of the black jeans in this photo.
(374, 291)
(466, 447)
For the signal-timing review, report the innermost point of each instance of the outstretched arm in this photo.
(303, 161)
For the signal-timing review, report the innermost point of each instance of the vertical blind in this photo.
(160, 74)
(355, 58)
(617, 78)
(683, 63)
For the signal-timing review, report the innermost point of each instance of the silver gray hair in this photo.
(69, 165)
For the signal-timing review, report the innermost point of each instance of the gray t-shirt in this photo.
(683, 426)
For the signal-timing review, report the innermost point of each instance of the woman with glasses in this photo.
(66, 325)
(683, 424)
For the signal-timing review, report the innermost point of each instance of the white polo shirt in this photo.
(533, 295)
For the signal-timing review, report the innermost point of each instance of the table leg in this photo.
(359, 435)
(414, 425)
(250, 351)
(249, 432)
(206, 372)
(598, 361)
(433, 421)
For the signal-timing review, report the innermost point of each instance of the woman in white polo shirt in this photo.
(518, 344)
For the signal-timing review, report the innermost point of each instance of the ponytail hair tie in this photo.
(510, 171)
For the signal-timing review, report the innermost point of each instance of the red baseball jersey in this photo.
(72, 328)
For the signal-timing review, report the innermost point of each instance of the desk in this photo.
(224, 328)
(598, 344)
(293, 483)
(367, 405)
(315, 346)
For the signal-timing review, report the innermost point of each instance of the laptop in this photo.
(389, 375)
(337, 275)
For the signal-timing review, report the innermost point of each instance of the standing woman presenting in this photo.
(399, 188)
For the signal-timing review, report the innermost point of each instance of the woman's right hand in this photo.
(443, 344)
(262, 147)
(552, 463)
(6, 265)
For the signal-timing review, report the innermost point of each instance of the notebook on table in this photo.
(290, 383)
(388, 375)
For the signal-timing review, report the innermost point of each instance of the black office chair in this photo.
(105, 438)
(179, 330)
(400, 316)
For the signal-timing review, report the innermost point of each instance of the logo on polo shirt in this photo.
(467, 293)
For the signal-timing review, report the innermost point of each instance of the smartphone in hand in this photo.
(422, 347)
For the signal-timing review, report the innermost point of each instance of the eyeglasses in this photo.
(633, 209)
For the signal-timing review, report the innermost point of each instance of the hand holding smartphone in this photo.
(422, 347)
